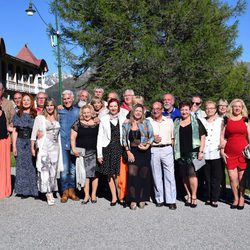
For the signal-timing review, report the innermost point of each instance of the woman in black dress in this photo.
(109, 146)
(84, 135)
(137, 138)
(189, 135)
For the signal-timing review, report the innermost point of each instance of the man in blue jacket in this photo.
(169, 109)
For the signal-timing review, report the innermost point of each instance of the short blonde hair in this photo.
(97, 99)
(244, 112)
(210, 102)
(90, 107)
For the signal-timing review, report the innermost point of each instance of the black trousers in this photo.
(213, 176)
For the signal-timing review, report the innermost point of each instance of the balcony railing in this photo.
(23, 87)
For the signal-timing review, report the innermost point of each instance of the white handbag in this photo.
(246, 151)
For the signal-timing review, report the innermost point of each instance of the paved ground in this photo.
(31, 224)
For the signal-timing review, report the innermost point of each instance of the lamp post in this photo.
(55, 34)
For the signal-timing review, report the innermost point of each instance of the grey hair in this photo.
(99, 88)
(41, 92)
(81, 90)
(131, 91)
(224, 101)
(68, 92)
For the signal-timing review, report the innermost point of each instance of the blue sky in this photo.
(17, 29)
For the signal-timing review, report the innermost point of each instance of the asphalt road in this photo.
(32, 224)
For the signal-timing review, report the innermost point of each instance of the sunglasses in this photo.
(197, 103)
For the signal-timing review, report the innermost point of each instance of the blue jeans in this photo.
(68, 176)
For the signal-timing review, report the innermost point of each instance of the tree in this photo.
(184, 47)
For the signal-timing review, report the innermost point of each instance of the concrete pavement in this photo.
(32, 224)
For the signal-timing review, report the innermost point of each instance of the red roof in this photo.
(26, 55)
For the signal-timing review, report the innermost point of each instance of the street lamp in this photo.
(55, 40)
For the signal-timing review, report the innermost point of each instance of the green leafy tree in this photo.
(154, 46)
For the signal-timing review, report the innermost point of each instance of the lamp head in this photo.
(30, 11)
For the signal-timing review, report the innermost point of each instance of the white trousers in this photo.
(162, 163)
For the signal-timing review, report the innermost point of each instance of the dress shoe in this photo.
(112, 204)
(160, 204)
(214, 204)
(23, 197)
(207, 203)
(72, 195)
(65, 196)
(172, 206)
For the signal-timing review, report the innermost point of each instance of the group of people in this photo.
(138, 150)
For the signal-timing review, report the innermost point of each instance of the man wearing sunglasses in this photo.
(196, 107)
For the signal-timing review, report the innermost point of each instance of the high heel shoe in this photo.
(94, 201)
(234, 205)
(240, 207)
(112, 204)
(193, 203)
(188, 202)
(122, 203)
(85, 202)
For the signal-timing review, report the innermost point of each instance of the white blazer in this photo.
(104, 133)
(40, 124)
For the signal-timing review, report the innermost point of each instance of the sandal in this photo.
(193, 202)
(188, 202)
(50, 199)
(133, 206)
(141, 204)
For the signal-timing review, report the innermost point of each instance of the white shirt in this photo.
(199, 114)
(211, 150)
(163, 128)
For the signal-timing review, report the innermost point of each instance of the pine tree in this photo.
(184, 47)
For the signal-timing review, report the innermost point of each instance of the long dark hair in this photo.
(33, 112)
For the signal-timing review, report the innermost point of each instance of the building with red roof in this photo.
(23, 72)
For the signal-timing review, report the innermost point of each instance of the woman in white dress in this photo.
(49, 156)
